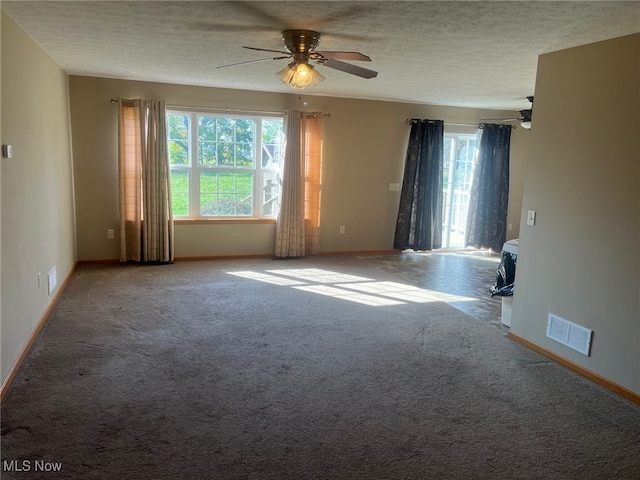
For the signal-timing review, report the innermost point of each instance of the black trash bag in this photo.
(505, 275)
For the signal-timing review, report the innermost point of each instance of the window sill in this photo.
(224, 221)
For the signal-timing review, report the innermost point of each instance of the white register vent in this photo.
(569, 334)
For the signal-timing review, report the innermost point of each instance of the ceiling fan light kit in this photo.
(299, 74)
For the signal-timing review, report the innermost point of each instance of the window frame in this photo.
(194, 168)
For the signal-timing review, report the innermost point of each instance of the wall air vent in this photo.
(569, 334)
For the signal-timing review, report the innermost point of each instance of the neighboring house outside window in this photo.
(223, 165)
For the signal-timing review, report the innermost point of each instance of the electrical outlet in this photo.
(39, 280)
(110, 234)
(342, 229)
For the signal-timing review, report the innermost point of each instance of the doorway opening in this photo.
(460, 152)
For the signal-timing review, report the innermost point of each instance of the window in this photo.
(224, 165)
(459, 154)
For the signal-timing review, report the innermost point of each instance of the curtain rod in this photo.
(241, 110)
(315, 114)
(219, 109)
(478, 125)
(116, 100)
(224, 109)
(513, 127)
(411, 120)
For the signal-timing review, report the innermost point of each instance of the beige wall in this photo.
(364, 148)
(37, 189)
(581, 261)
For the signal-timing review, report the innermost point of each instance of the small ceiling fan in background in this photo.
(524, 118)
(301, 46)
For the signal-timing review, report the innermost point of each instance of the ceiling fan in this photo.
(524, 118)
(301, 46)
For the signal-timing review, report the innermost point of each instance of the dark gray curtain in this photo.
(487, 220)
(419, 225)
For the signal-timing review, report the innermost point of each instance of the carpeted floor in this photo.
(320, 368)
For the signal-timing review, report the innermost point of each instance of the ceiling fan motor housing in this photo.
(526, 115)
(300, 41)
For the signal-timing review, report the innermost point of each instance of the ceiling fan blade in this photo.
(348, 68)
(266, 50)
(344, 55)
(252, 61)
(501, 119)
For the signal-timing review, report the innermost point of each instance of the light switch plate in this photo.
(531, 217)
(7, 151)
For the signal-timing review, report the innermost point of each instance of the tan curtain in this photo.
(158, 217)
(298, 224)
(312, 184)
(130, 128)
(146, 221)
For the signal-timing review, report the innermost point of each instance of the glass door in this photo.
(460, 151)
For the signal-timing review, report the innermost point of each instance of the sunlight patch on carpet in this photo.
(263, 277)
(406, 292)
(349, 295)
(319, 275)
(354, 288)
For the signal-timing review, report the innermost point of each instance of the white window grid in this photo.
(259, 172)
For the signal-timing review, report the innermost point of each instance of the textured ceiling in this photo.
(460, 53)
